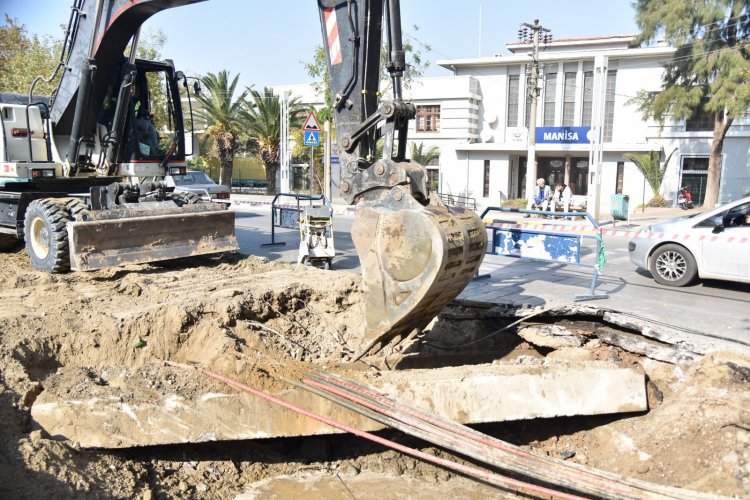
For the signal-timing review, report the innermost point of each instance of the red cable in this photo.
(458, 430)
(403, 449)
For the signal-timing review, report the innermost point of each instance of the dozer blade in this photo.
(414, 262)
(122, 237)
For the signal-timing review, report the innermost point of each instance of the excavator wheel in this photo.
(46, 234)
(185, 198)
(415, 260)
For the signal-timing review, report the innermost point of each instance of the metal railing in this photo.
(275, 222)
(547, 246)
(461, 201)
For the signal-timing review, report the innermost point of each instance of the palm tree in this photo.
(262, 120)
(651, 167)
(223, 116)
(419, 155)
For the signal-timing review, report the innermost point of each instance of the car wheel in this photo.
(673, 265)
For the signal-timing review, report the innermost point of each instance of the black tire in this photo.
(673, 265)
(76, 207)
(185, 198)
(46, 234)
(7, 241)
(328, 264)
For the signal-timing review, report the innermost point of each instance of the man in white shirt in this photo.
(541, 198)
(562, 196)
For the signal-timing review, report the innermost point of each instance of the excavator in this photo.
(416, 253)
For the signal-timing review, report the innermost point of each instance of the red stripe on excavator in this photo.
(117, 14)
(332, 30)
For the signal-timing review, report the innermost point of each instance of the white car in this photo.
(713, 244)
(198, 183)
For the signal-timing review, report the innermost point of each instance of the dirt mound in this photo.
(256, 321)
(217, 311)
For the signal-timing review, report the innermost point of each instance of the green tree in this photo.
(223, 115)
(708, 73)
(651, 167)
(419, 155)
(24, 57)
(261, 117)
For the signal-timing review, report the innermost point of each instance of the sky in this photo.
(266, 41)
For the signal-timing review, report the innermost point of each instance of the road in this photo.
(708, 306)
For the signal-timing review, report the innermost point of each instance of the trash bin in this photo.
(619, 206)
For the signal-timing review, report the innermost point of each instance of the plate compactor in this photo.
(316, 235)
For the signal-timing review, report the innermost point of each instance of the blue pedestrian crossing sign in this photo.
(312, 138)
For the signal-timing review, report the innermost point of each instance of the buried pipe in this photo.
(538, 461)
(471, 471)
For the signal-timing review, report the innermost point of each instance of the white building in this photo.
(477, 117)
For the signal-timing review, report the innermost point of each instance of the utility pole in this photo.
(284, 176)
(538, 34)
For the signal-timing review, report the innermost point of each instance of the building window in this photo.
(550, 86)
(588, 98)
(620, 176)
(513, 99)
(569, 100)
(486, 191)
(433, 178)
(428, 118)
(609, 105)
(701, 121)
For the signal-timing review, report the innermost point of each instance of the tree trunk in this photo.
(225, 148)
(270, 157)
(713, 183)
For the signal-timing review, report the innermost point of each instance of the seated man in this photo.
(541, 198)
(561, 198)
(144, 123)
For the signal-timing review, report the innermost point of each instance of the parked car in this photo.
(198, 183)
(714, 244)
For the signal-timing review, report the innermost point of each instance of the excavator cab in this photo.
(155, 123)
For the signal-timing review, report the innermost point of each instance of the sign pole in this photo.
(312, 151)
(327, 162)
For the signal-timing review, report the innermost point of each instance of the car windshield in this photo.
(192, 178)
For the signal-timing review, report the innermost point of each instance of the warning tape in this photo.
(336, 210)
(620, 233)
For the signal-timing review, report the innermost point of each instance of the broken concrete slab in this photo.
(646, 347)
(153, 405)
(551, 336)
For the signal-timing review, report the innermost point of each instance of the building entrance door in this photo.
(694, 175)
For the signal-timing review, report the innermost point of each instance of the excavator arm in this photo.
(417, 254)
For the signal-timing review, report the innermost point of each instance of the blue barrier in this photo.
(547, 246)
(274, 219)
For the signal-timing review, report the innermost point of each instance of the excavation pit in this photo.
(103, 335)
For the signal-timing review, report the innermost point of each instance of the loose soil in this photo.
(256, 321)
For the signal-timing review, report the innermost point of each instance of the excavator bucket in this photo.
(414, 262)
(131, 236)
